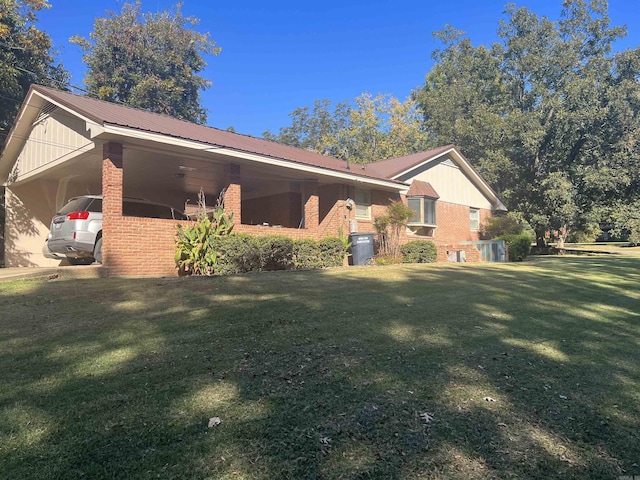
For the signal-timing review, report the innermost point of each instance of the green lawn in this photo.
(527, 370)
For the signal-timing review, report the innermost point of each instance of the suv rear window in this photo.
(78, 204)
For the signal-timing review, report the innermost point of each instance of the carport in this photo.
(63, 145)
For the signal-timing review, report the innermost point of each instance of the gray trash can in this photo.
(361, 248)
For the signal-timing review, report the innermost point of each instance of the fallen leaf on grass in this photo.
(214, 422)
(427, 417)
(563, 397)
(502, 424)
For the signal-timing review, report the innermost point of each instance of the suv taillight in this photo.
(78, 215)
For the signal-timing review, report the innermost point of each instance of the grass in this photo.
(528, 371)
(611, 247)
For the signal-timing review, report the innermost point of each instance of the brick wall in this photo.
(142, 247)
(136, 246)
(454, 226)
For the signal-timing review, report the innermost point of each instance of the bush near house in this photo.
(519, 246)
(419, 251)
(276, 252)
(306, 254)
(240, 253)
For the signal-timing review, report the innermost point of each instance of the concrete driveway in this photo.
(77, 271)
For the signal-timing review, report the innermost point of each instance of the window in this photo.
(474, 219)
(424, 209)
(363, 204)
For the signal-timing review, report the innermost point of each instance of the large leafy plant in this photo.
(195, 251)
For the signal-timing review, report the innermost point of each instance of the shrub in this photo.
(237, 253)
(306, 254)
(332, 252)
(419, 251)
(390, 225)
(519, 246)
(276, 252)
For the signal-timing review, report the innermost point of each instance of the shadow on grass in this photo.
(525, 371)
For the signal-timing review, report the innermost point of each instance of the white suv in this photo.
(76, 230)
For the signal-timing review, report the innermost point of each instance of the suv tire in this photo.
(97, 250)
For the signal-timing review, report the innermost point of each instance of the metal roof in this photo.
(108, 113)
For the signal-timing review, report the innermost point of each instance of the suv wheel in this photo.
(97, 250)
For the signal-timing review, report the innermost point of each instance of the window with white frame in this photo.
(363, 204)
(424, 210)
(474, 219)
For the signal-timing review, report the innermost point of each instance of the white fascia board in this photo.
(254, 157)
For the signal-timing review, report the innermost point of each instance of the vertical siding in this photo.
(453, 186)
(51, 138)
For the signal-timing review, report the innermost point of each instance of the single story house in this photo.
(63, 145)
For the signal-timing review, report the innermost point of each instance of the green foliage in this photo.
(332, 251)
(502, 225)
(240, 253)
(195, 254)
(148, 60)
(237, 253)
(419, 251)
(585, 234)
(276, 252)
(389, 227)
(548, 114)
(26, 57)
(345, 239)
(519, 246)
(387, 260)
(306, 254)
(364, 130)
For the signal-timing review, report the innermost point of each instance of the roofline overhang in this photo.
(468, 169)
(24, 122)
(110, 131)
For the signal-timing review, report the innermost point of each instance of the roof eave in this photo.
(119, 131)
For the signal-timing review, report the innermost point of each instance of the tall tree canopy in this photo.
(547, 114)
(149, 61)
(364, 130)
(26, 57)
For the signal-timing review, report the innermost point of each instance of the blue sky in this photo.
(278, 56)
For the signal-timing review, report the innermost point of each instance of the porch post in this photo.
(112, 177)
(311, 204)
(233, 194)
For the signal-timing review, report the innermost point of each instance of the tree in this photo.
(364, 130)
(547, 114)
(149, 61)
(26, 57)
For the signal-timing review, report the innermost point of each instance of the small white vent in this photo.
(47, 110)
(449, 163)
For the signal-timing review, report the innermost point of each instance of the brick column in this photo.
(233, 194)
(311, 204)
(112, 177)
